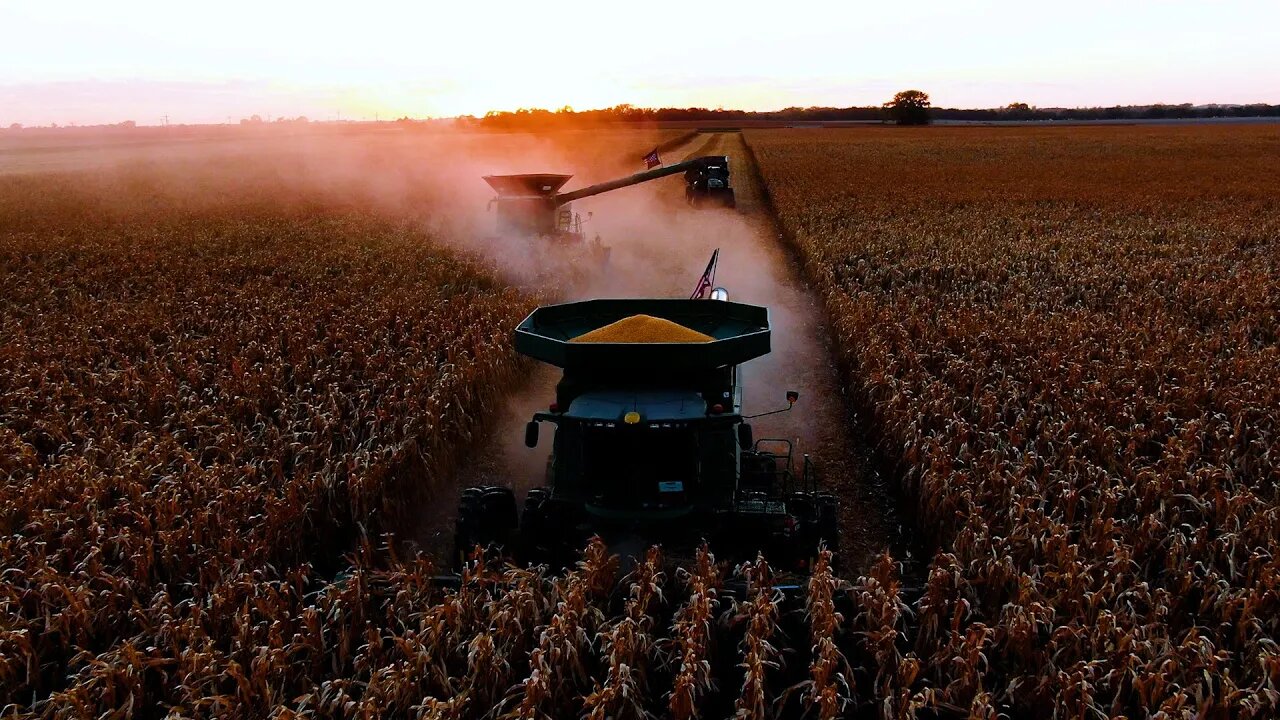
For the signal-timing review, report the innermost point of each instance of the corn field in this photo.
(221, 389)
(204, 402)
(1065, 342)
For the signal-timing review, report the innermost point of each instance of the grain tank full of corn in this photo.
(648, 440)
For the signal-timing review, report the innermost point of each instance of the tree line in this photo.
(911, 109)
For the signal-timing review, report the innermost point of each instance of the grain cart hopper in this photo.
(531, 205)
(650, 444)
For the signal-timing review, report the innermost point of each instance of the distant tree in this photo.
(1018, 111)
(909, 107)
(15, 126)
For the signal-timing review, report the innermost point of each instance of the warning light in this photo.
(717, 409)
(631, 418)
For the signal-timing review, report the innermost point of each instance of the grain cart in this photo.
(531, 205)
(649, 441)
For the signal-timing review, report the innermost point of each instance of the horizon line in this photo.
(273, 118)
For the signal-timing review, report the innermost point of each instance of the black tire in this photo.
(466, 528)
(487, 517)
(802, 506)
(501, 515)
(533, 526)
(828, 523)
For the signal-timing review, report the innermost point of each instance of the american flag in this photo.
(652, 160)
(708, 278)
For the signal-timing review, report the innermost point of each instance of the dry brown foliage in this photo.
(219, 374)
(1067, 340)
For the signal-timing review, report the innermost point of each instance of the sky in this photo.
(88, 62)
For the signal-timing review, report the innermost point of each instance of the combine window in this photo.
(640, 467)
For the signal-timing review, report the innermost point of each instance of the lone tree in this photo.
(909, 107)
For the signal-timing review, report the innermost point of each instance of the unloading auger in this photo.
(531, 205)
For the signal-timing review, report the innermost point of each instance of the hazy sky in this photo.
(94, 61)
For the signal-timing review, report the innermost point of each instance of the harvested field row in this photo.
(1068, 340)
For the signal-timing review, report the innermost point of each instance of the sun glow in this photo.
(400, 58)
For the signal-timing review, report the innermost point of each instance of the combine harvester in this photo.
(650, 444)
(532, 206)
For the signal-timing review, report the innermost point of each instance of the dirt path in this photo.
(763, 268)
(660, 247)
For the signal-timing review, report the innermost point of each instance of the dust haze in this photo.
(660, 247)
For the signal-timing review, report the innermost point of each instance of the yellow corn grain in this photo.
(643, 329)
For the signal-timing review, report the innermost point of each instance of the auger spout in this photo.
(647, 175)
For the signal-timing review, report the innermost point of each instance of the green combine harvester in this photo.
(649, 443)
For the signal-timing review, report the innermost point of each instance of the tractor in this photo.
(649, 443)
(707, 185)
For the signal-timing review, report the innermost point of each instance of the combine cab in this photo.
(529, 207)
(649, 443)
